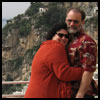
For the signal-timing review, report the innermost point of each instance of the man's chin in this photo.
(72, 31)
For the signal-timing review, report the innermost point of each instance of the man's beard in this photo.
(73, 30)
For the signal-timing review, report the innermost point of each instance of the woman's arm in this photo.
(62, 69)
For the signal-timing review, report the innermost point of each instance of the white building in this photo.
(42, 10)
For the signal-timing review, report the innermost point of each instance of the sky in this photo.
(12, 9)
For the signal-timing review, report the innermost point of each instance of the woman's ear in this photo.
(55, 37)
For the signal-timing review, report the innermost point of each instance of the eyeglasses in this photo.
(75, 21)
(61, 35)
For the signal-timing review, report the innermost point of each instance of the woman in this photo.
(50, 67)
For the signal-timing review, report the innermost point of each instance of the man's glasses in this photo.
(61, 35)
(75, 21)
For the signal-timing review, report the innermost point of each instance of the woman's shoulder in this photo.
(52, 43)
(53, 46)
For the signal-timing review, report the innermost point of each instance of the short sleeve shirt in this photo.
(82, 52)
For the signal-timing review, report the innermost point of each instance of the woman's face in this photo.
(61, 36)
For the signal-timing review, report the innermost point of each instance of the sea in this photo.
(4, 22)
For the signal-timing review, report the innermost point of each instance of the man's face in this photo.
(74, 22)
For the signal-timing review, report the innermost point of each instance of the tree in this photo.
(54, 15)
(34, 8)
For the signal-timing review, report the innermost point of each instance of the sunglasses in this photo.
(61, 35)
(75, 21)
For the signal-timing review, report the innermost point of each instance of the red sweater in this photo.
(50, 67)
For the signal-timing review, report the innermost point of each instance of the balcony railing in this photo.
(19, 95)
(14, 95)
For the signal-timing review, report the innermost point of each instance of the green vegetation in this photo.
(23, 25)
(16, 63)
(32, 51)
(24, 28)
(34, 8)
(53, 15)
(8, 89)
(93, 20)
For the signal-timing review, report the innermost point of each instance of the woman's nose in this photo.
(63, 37)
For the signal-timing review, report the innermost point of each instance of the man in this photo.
(82, 51)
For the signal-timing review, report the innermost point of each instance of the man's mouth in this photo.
(72, 30)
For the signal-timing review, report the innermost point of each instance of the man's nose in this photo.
(72, 23)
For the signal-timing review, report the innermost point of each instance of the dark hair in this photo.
(57, 27)
(78, 10)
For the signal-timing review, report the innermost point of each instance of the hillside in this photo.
(22, 35)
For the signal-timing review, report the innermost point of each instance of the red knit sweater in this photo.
(50, 67)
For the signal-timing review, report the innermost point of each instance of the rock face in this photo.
(17, 55)
(18, 51)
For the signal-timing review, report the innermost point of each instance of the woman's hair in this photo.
(57, 27)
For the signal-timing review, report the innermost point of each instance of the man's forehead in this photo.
(74, 14)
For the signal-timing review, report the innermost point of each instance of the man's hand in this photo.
(85, 82)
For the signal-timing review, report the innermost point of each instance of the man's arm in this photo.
(85, 82)
(88, 62)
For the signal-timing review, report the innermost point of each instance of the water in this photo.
(4, 22)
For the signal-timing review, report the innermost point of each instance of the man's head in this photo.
(74, 20)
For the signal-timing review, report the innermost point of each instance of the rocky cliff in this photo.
(20, 40)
